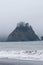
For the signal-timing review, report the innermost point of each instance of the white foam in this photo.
(23, 54)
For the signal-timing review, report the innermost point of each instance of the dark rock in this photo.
(42, 38)
(23, 32)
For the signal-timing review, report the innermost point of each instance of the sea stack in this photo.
(23, 32)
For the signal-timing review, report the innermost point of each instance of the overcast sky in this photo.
(14, 11)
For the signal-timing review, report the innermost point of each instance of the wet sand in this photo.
(19, 62)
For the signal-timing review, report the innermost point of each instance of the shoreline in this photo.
(19, 62)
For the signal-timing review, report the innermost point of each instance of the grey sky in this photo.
(14, 11)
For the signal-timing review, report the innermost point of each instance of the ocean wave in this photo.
(22, 54)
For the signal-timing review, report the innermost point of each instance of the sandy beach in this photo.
(19, 62)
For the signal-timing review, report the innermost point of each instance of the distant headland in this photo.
(23, 32)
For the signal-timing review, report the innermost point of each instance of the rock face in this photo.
(23, 32)
(42, 38)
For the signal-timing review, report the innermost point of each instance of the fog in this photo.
(14, 11)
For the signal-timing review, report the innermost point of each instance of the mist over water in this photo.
(13, 11)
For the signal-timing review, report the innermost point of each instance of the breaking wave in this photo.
(22, 54)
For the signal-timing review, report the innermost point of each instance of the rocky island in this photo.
(23, 32)
(42, 38)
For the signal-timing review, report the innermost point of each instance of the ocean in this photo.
(22, 50)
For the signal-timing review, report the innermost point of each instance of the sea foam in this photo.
(22, 54)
